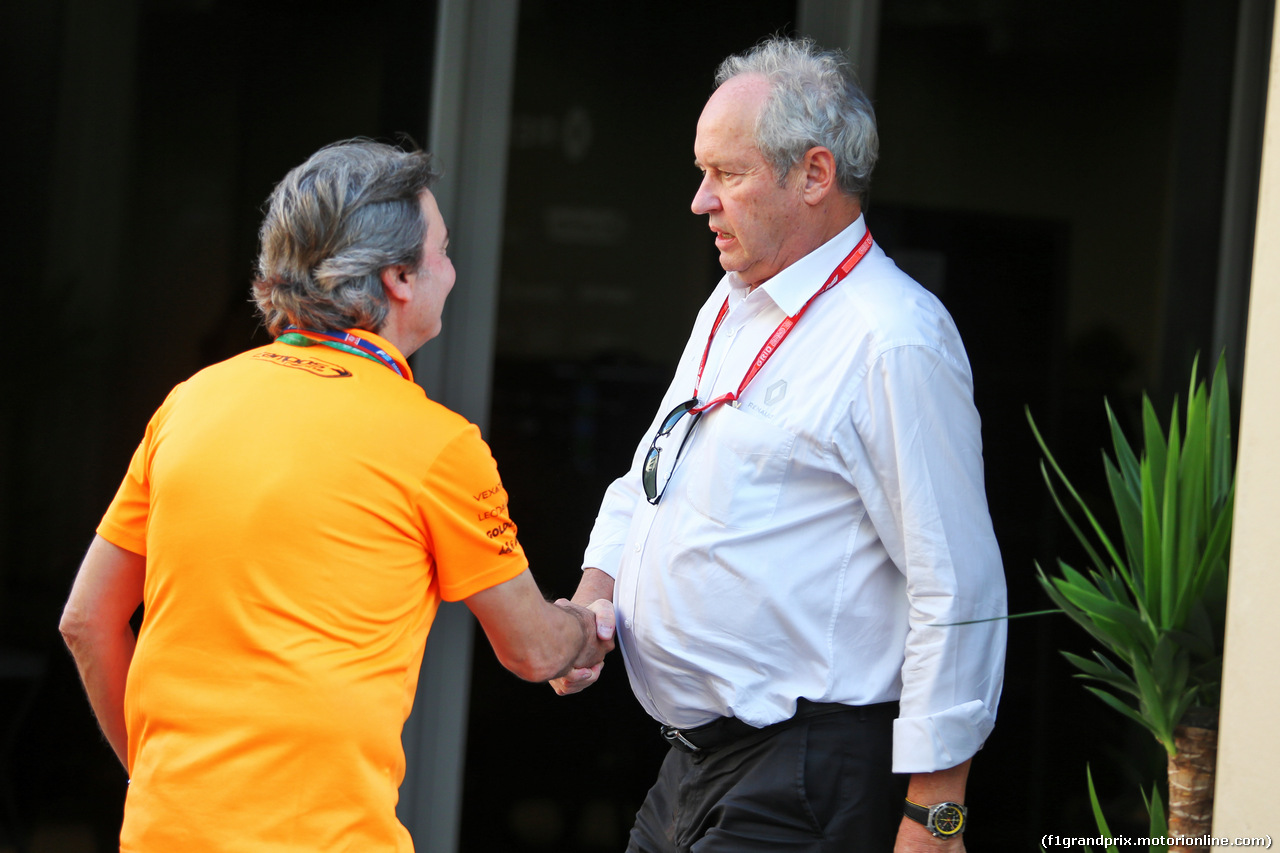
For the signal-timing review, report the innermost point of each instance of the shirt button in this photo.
(628, 624)
(638, 549)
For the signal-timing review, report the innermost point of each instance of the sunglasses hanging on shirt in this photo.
(656, 474)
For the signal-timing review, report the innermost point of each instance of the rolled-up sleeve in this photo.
(923, 489)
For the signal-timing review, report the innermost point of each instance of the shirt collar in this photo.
(333, 339)
(791, 288)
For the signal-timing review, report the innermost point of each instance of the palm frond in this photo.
(1157, 610)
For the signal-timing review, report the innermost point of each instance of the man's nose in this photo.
(704, 200)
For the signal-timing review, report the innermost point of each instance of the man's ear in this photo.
(395, 281)
(818, 169)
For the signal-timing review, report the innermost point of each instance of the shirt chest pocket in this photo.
(738, 467)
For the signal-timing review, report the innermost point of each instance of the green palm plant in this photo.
(1157, 603)
(1158, 827)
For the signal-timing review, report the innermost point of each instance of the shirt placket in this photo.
(727, 347)
(648, 557)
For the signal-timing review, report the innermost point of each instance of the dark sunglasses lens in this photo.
(649, 475)
(673, 418)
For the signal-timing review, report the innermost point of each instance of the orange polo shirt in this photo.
(303, 511)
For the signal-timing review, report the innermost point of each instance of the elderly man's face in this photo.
(756, 222)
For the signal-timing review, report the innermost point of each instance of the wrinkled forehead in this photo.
(727, 126)
(737, 102)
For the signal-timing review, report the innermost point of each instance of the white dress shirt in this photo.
(821, 537)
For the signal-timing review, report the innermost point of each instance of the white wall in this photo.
(1249, 745)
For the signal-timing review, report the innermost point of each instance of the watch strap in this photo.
(927, 817)
(917, 812)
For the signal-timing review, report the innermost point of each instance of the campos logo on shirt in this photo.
(311, 365)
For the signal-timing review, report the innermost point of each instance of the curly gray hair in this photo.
(814, 99)
(332, 225)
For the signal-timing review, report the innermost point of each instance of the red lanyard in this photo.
(779, 334)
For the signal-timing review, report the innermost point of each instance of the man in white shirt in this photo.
(804, 526)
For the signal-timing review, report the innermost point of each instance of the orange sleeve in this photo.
(125, 522)
(473, 539)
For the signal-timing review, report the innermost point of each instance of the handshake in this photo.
(597, 641)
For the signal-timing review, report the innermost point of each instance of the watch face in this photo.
(948, 820)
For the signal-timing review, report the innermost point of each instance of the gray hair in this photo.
(332, 226)
(814, 99)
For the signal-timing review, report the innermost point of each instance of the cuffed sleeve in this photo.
(924, 491)
(941, 740)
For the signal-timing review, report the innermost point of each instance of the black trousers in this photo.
(820, 785)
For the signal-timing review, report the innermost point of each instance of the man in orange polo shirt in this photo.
(291, 522)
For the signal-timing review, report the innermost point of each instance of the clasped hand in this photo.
(587, 666)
